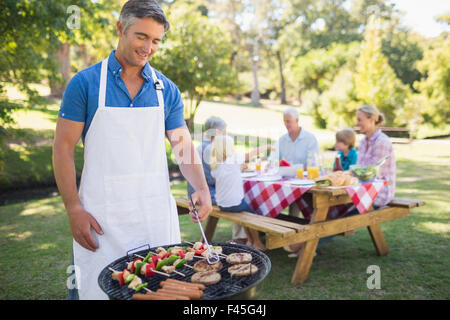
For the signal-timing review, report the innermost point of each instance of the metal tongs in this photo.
(211, 257)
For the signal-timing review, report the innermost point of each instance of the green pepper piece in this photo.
(139, 287)
(147, 257)
(129, 278)
(138, 267)
(173, 258)
(181, 263)
(161, 264)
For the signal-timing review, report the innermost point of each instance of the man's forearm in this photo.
(194, 175)
(187, 158)
(192, 169)
(65, 176)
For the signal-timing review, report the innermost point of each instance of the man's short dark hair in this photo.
(133, 9)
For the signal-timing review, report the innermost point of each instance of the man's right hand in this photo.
(203, 198)
(81, 223)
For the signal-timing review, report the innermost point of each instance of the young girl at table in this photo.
(345, 142)
(226, 169)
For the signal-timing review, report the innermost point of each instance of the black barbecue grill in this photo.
(237, 288)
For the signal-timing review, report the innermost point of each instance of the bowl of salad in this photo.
(364, 174)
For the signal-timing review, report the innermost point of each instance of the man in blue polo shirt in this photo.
(123, 109)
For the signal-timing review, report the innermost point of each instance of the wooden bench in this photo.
(397, 134)
(281, 233)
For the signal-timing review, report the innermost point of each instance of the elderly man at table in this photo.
(295, 145)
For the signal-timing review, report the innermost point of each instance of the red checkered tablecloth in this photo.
(270, 198)
(363, 196)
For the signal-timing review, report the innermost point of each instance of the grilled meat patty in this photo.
(242, 270)
(206, 278)
(203, 266)
(239, 257)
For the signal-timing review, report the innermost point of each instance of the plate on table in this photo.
(302, 182)
(249, 174)
(270, 178)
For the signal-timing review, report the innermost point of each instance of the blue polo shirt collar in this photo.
(116, 68)
(146, 72)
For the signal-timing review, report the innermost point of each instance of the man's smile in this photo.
(143, 54)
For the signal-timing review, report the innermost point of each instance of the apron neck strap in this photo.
(103, 78)
(158, 86)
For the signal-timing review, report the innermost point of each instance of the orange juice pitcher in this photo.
(313, 172)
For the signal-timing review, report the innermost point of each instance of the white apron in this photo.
(124, 186)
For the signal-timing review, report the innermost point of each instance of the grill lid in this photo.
(224, 289)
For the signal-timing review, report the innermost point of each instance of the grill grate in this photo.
(222, 290)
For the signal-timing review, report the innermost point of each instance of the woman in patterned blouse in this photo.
(373, 147)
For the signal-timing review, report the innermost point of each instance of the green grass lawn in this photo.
(38, 233)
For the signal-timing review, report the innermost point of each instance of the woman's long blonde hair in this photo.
(222, 147)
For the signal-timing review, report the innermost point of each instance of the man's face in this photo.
(290, 123)
(140, 42)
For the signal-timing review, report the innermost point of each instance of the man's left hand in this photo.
(202, 200)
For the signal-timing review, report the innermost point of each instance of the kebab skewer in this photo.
(165, 258)
(145, 268)
(183, 252)
(201, 250)
(125, 277)
(173, 260)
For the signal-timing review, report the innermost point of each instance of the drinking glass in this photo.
(258, 165)
(313, 165)
(327, 162)
(300, 168)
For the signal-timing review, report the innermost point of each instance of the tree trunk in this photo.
(283, 84)
(255, 92)
(84, 55)
(190, 123)
(58, 84)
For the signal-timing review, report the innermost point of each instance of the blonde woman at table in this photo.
(226, 169)
(372, 148)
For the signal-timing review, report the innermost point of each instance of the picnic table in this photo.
(270, 198)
